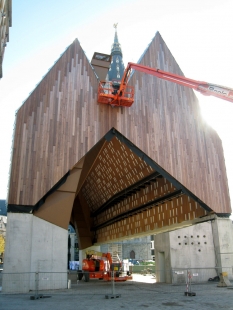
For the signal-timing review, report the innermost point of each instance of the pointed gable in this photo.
(171, 130)
(61, 121)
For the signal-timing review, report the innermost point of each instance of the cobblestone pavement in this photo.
(127, 295)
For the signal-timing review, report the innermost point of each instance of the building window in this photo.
(132, 254)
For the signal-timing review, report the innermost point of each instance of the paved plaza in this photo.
(141, 293)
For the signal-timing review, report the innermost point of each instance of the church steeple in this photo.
(117, 68)
(116, 47)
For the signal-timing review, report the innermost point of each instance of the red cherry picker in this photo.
(122, 94)
(98, 265)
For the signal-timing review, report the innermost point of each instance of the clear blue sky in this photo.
(198, 33)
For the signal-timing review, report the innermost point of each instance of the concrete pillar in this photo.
(223, 242)
(190, 247)
(34, 245)
(162, 257)
(18, 243)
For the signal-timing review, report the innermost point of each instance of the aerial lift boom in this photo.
(98, 265)
(123, 94)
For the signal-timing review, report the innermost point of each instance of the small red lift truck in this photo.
(100, 266)
(121, 94)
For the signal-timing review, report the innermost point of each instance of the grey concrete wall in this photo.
(17, 260)
(18, 243)
(34, 245)
(162, 247)
(206, 249)
(49, 247)
(192, 247)
(223, 240)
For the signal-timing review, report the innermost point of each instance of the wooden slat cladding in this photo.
(51, 133)
(115, 169)
(61, 121)
(170, 130)
(157, 218)
(149, 193)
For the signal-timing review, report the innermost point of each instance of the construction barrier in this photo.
(176, 280)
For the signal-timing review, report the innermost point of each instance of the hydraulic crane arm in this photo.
(205, 88)
(122, 97)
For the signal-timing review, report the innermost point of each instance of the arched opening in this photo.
(132, 254)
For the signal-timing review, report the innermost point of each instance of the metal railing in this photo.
(159, 281)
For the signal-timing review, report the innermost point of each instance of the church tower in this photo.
(117, 68)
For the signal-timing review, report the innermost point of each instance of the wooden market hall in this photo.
(115, 172)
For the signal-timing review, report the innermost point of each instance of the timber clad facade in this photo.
(61, 124)
(55, 127)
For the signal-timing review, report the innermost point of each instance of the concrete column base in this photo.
(35, 254)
